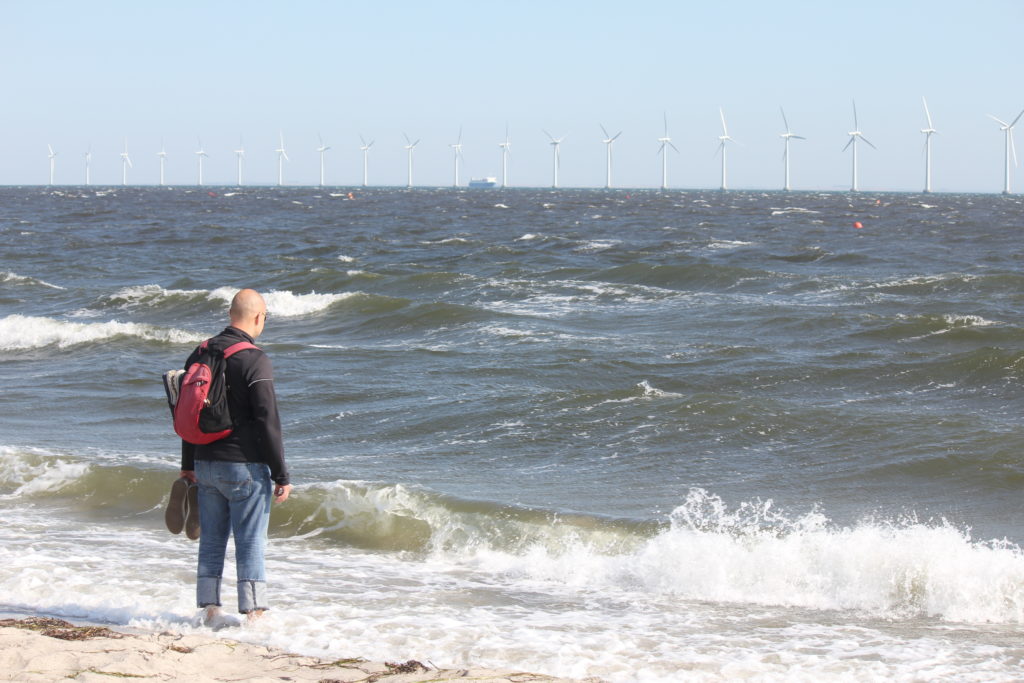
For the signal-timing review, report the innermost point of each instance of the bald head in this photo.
(248, 312)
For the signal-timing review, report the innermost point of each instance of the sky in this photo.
(91, 76)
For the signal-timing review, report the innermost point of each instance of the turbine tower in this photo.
(163, 157)
(53, 157)
(787, 136)
(928, 133)
(239, 155)
(1008, 149)
(410, 147)
(322, 148)
(88, 162)
(126, 163)
(366, 149)
(724, 138)
(555, 157)
(200, 153)
(608, 140)
(282, 156)
(855, 135)
(666, 142)
(505, 149)
(457, 149)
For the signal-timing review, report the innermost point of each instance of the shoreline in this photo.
(42, 648)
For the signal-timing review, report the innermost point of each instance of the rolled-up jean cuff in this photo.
(208, 591)
(252, 595)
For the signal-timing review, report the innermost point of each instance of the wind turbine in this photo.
(855, 135)
(1008, 148)
(666, 142)
(928, 133)
(366, 149)
(240, 154)
(556, 158)
(88, 161)
(200, 153)
(163, 157)
(608, 140)
(457, 148)
(322, 148)
(410, 147)
(126, 163)
(53, 157)
(723, 138)
(505, 149)
(787, 136)
(282, 156)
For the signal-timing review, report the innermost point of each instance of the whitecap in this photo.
(19, 332)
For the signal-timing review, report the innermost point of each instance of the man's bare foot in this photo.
(254, 615)
(212, 615)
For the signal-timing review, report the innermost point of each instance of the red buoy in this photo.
(857, 225)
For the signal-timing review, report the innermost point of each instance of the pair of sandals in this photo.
(183, 509)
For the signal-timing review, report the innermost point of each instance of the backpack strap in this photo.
(235, 348)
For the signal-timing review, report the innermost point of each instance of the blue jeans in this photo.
(234, 498)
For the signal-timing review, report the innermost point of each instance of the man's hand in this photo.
(190, 475)
(281, 492)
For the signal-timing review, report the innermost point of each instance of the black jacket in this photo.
(256, 435)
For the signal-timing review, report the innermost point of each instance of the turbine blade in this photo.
(674, 147)
(867, 141)
(724, 129)
(616, 136)
(856, 126)
(999, 121)
(848, 143)
(1013, 149)
(784, 121)
(606, 136)
(1017, 119)
(927, 113)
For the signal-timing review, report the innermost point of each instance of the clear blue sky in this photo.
(87, 75)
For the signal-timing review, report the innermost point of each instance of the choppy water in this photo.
(636, 435)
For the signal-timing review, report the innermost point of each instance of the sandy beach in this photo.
(47, 649)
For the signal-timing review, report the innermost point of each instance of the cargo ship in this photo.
(483, 182)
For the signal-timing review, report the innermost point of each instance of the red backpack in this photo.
(198, 395)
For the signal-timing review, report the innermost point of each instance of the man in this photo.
(238, 475)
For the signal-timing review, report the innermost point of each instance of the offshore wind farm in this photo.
(498, 155)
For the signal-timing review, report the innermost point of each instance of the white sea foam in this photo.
(346, 259)
(19, 332)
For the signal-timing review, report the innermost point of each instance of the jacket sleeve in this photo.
(263, 402)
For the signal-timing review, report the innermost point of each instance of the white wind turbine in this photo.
(53, 158)
(724, 138)
(506, 147)
(410, 147)
(239, 155)
(366, 164)
(608, 140)
(126, 163)
(282, 156)
(1008, 149)
(163, 157)
(200, 154)
(928, 133)
(457, 150)
(321, 149)
(787, 136)
(855, 135)
(556, 158)
(88, 162)
(666, 142)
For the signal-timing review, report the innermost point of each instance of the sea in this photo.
(634, 435)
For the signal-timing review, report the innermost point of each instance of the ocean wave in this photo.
(705, 550)
(285, 304)
(19, 332)
(16, 279)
